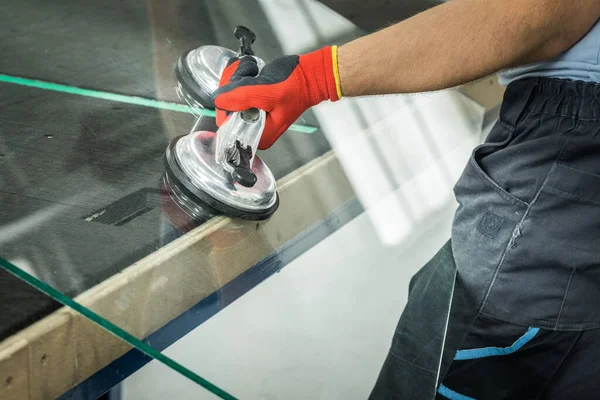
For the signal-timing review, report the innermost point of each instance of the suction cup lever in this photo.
(239, 158)
(237, 141)
(245, 38)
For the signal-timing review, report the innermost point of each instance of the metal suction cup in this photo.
(191, 162)
(198, 71)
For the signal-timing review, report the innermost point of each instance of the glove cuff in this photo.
(332, 75)
(336, 72)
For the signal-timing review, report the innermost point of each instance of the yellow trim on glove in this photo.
(336, 71)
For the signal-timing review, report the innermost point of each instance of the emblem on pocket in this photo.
(490, 224)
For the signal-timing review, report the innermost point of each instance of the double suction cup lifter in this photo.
(221, 169)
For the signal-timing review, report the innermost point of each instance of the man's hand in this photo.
(235, 70)
(285, 88)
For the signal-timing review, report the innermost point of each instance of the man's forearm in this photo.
(461, 41)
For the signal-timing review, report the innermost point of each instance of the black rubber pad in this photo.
(177, 176)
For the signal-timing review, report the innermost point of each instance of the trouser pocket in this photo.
(485, 219)
(552, 275)
(499, 360)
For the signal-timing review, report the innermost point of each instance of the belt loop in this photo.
(517, 98)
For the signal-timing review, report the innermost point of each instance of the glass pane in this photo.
(21, 305)
(89, 215)
(142, 346)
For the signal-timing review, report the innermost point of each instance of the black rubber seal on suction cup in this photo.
(186, 79)
(178, 176)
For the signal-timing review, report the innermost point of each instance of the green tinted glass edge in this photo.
(122, 98)
(115, 330)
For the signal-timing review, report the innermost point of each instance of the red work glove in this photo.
(285, 88)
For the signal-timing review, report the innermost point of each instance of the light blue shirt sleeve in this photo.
(581, 62)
